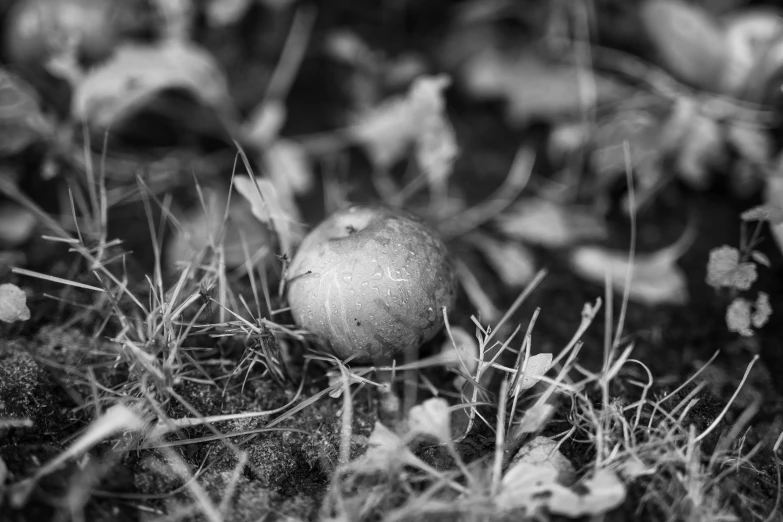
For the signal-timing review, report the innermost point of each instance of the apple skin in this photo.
(371, 282)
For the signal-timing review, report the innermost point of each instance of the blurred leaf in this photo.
(433, 418)
(289, 168)
(385, 451)
(21, 120)
(655, 279)
(725, 270)
(264, 123)
(701, 151)
(220, 13)
(534, 87)
(537, 366)
(137, 73)
(534, 419)
(602, 492)
(526, 486)
(13, 304)
(773, 202)
(542, 222)
(388, 131)
(271, 209)
(687, 39)
(749, 33)
(511, 261)
(17, 223)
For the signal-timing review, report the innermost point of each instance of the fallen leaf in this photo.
(534, 87)
(289, 168)
(687, 39)
(269, 208)
(655, 277)
(725, 270)
(604, 492)
(542, 222)
(389, 130)
(263, 125)
(536, 367)
(137, 73)
(13, 304)
(433, 418)
(534, 419)
(542, 452)
(464, 350)
(385, 451)
(511, 261)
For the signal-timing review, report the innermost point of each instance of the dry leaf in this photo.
(137, 73)
(763, 310)
(542, 452)
(13, 304)
(534, 419)
(536, 367)
(269, 208)
(542, 222)
(433, 418)
(604, 492)
(511, 261)
(655, 278)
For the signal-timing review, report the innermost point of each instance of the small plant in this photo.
(736, 269)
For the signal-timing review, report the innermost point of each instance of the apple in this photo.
(33, 29)
(371, 282)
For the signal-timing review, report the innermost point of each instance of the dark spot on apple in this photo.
(350, 229)
(358, 323)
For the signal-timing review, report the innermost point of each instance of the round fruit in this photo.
(34, 29)
(371, 282)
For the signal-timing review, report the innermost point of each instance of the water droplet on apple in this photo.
(364, 284)
(376, 289)
(358, 304)
(347, 277)
(430, 314)
(377, 274)
(351, 291)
